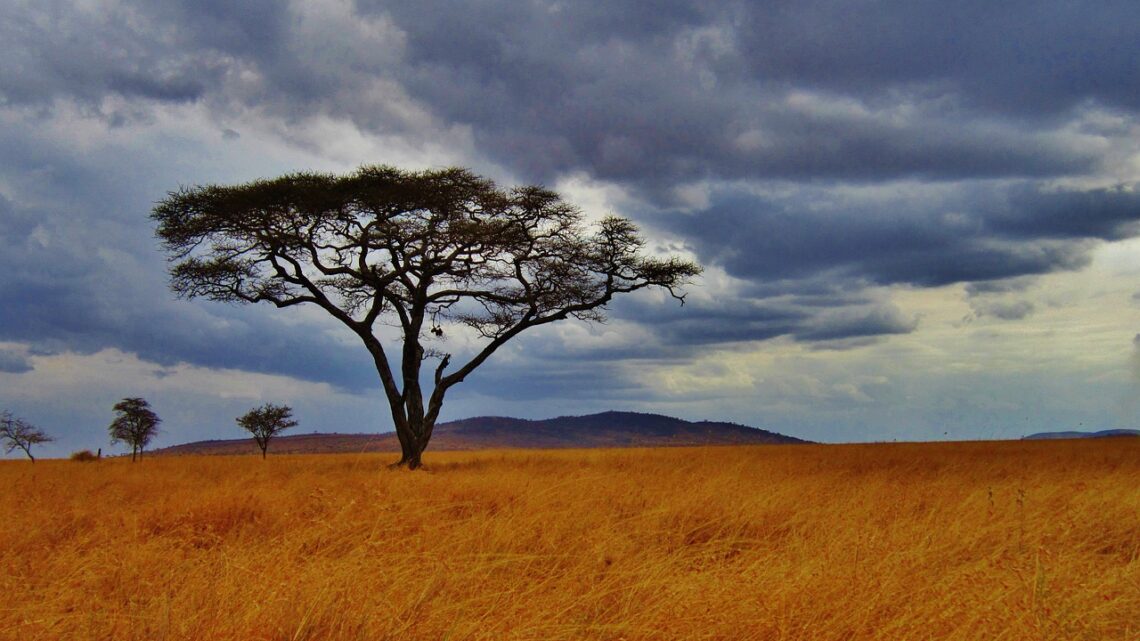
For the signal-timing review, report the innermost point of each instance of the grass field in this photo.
(970, 541)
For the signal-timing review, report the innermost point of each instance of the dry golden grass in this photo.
(967, 541)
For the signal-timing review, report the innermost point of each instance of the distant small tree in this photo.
(267, 421)
(135, 425)
(17, 432)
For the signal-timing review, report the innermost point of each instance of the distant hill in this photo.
(608, 429)
(1100, 434)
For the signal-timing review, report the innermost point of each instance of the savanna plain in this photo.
(970, 541)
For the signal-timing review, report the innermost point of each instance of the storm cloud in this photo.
(649, 98)
(812, 155)
(915, 234)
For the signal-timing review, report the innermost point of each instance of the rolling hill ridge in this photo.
(608, 429)
(1073, 434)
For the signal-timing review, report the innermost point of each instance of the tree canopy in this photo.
(265, 422)
(135, 425)
(434, 252)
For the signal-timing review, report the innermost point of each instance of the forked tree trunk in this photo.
(413, 421)
(410, 457)
(413, 442)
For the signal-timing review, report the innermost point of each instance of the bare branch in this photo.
(18, 433)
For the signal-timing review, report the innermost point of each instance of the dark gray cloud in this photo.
(880, 321)
(1033, 212)
(645, 96)
(602, 381)
(57, 51)
(807, 311)
(978, 233)
(81, 272)
(688, 95)
(85, 313)
(703, 323)
(1007, 286)
(104, 308)
(1004, 310)
(14, 361)
(997, 299)
(685, 91)
(1017, 57)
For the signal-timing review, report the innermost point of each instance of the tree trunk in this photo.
(412, 446)
(412, 457)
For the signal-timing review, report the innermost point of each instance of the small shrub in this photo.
(84, 456)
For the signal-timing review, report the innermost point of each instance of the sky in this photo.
(919, 220)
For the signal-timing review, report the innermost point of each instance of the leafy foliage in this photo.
(18, 433)
(135, 425)
(267, 421)
(433, 252)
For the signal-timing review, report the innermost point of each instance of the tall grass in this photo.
(967, 541)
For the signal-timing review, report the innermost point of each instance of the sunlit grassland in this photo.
(1023, 540)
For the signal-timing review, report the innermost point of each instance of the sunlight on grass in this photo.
(966, 541)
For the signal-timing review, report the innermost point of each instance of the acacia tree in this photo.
(135, 425)
(18, 433)
(435, 253)
(267, 421)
